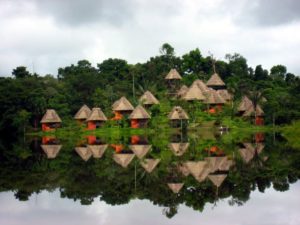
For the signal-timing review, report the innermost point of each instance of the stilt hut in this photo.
(216, 82)
(123, 159)
(175, 187)
(96, 119)
(149, 164)
(50, 120)
(121, 108)
(178, 117)
(214, 101)
(97, 150)
(84, 152)
(182, 91)
(140, 150)
(217, 179)
(51, 150)
(246, 109)
(201, 85)
(194, 93)
(217, 163)
(225, 94)
(139, 117)
(82, 114)
(199, 169)
(173, 80)
(148, 99)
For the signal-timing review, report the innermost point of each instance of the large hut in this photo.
(148, 99)
(121, 108)
(246, 109)
(96, 119)
(216, 82)
(139, 117)
(50, 120)
(82, 114)
(194, 93)
(178, 117)
(173, 80)
(214, 101)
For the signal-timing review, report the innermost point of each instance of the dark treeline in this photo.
(25, 96)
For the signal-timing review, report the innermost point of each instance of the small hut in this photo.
(121, 108)
(198, 169)
(216, 163)
(217, 179)
(139, 117)
(96, 119)
(178, 148)
(84, 152)
(225, 94)
(50, 120)
(51, 150)
(201, 85)
(182, 91)
(175, 187)
(178, 117)
(216, 82)
(82, 114)
(148, 99)
(149, 164)
(140, 150)
(123, 159)
(214, 101)
(173, 79)
(246, 109)
(194, 93)
(97, 150)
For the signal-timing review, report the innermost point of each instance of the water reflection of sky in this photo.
(269, 208)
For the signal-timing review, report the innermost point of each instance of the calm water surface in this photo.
(178, 179)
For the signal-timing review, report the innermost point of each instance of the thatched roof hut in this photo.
(246, 107)
(250, 111)
(217, 179)
(140, 150)
(225, 94)
(122, 105)
(148, 99)
(139, 113)
(175, 187)
(84, 153)
(216, 163)
(183, 169)
(246, 154)
(83, 113)
(212, 97)
(178, 113)
(199, 169)
(215, 81)
(179, 148)
(244, 104)
(173, 75)
(194, 93)
(96, 115)
(51, 150)
(149, 164)
(123, 159)
(182, 90)
(51, 117)
(201, 85)
(97, 150)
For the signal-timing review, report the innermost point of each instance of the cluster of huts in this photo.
(213, 93)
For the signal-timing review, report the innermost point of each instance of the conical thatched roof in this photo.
(122, 105)
(139, 113)
(83, 113)
(179, 148)
(193, 93)
(123, 159)
(178, 113)
(96, 115)
(250, 111)
(140, 150)
(51, 150)
(97, 150)
(215, 163)
(245, 104)
(183, 169)
(199, 169)
(84, 153)
(217, 179)
(225, 166)
(173, 75)
(148, 99)
(149, 164)
(175, 187)
(51, 117)
(246, 154)
(182, 90)
(212, 97)
(225, 94)
(215, 80)
(201, 85)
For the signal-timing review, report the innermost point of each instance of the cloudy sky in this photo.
(47, 34)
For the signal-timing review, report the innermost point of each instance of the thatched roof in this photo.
(175, 187)
(201, 85)
(97, 150)
(183, 169)
(217, 179)
(51, 150)
(173, 75)
(250, 111)
(226, 165)
(83, 113)
(96, 115)
(244, 104)
(215, 80)
(123, 159)
(122, 105)
(182, 90)
(193, 93)
(84, 153)
(247, 107)
(199, 169)
(225, 94)
(246, 154)
(178, 113)
(148, 99)
(51, 117)
(139, 113)
(215, 163)
(149, 164)
(140, 150)
(179, 148)
(212, 97)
